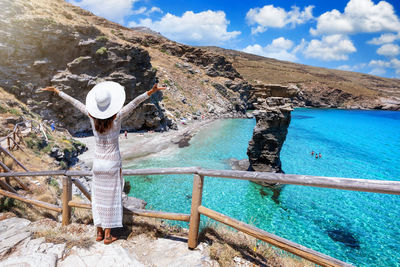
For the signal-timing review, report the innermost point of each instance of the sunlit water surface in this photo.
(356, 227)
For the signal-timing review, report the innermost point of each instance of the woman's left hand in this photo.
(156, 88)
(49, 89)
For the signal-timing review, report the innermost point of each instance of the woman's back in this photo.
(107, 144)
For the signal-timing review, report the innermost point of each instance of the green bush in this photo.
(63, 165)
(102, 38)
(101, 51)
(3, 109)
(14, 111)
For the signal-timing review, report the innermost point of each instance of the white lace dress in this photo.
(107, 183)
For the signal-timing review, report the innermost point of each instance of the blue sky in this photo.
(356, 35)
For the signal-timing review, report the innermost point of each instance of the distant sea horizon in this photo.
(356, 227)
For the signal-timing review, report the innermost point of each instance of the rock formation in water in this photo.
(273, 119)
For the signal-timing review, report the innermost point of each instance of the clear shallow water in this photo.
(360, 228)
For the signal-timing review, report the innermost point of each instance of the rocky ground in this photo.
(141, 243)
(20, 245)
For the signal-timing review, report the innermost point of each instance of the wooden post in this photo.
(8, 143)
(194, 223)
(66, 198)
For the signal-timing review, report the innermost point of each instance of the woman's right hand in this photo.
(50, 89)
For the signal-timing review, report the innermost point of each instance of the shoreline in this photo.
(142, 144)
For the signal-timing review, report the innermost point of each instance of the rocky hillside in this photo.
(319, 87)
(51, 42)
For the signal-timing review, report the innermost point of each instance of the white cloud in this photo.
(276, 17)
(378, 71)
(353, 67)
(279, 49)
(154, 9)
(139, 11)
(331, 47)
(384, 39)
(204, 28)
(147, 12)
(114, 10)
(380, 66)
(389, 50)
(345, 67)
(358, 16)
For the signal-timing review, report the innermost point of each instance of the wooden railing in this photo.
(197, 209)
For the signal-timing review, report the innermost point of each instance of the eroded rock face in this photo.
(272, 90)
(36, 52)
(273, 119)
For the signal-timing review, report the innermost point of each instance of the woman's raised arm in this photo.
(138, 100)
(76, 103)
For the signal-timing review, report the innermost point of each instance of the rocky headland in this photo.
(318, 87)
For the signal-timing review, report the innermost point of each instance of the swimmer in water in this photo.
(320, 155)
(312, 153)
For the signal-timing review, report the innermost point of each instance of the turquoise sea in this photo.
(356, 227)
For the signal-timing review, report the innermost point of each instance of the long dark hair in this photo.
(103, 125)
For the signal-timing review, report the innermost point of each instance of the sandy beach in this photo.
(141, 144)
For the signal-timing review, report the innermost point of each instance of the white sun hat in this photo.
(105, 99)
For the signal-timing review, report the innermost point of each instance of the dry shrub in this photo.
(72, 235)
(225, 244)
(151, 227)
(6, 215)
(80, 215)
(47, 197)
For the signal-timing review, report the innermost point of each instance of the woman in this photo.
(104, 106)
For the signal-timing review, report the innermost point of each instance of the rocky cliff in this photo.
(318, 87)
(55, 43)
(38, 49)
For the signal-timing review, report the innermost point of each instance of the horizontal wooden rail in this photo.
(141, 212)
(31, 201)
(364, 185)
(154, 171)
(297, 249)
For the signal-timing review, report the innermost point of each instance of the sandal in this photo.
(100, 234)
(109, 239)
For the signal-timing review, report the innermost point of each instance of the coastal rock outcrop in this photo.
(273, 119)
(264, 91)
(38, 51)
